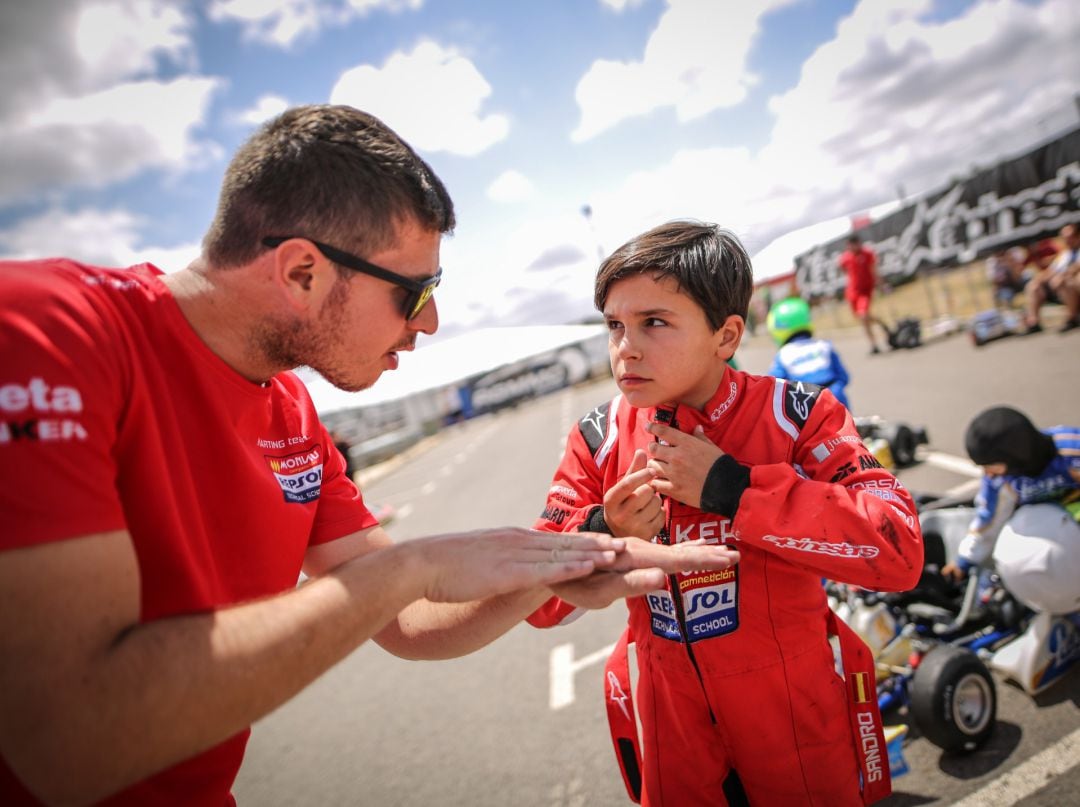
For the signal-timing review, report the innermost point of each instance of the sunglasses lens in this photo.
(421, 300)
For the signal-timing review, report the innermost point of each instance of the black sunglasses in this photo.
(420, 291)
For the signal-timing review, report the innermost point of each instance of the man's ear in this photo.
(729, 335)
(302, 273)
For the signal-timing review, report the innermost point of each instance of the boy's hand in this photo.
(681, 466)
(951, 571)
(640, 568)
(631, 506)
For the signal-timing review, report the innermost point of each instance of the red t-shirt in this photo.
(115, 415)
(859, 266)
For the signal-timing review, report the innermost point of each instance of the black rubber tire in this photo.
(953, 699)
(902, 444)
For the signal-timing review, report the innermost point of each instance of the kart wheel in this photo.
(902, 444)
(953, 699)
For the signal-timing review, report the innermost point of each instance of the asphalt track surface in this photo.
(482, 730)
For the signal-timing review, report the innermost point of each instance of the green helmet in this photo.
(789, 317)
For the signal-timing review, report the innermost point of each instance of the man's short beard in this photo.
(287, 343)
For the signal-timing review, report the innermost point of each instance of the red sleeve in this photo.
(62, 394)
(341, 505)
(844, 517)
(576, 489)
(341, 510)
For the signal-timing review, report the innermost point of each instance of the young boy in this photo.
(1023, 465)
(801, 357)
(735, 666)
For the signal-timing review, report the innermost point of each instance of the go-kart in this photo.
(935, 646)
(946, 688)
(894, 444)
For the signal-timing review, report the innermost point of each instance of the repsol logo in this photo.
(709, 600)
(38, 396)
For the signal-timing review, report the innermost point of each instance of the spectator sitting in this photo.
(1058, 282)
(1005, 271)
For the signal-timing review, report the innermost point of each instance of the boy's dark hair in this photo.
(329, 173)
(707, 261)
(1003, 434)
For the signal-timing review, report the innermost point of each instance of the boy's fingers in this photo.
(662, 432)
(631, 482)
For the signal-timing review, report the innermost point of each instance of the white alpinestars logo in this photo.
(800, 399)
(616, 693)
(594, 419)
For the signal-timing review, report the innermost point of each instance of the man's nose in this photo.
(427, 321)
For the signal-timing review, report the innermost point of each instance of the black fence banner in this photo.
(1017, 201)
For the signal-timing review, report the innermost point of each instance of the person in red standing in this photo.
(859, 262)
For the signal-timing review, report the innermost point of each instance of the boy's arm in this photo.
(845, 517)
(994, 505)
(574, 503)
(831, 508)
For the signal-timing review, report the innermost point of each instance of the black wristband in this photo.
(724, 486)
(595, 521)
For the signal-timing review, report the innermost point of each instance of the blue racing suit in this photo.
(999, 496)
(812, 361)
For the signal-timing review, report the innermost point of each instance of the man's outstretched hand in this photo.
(466, 566)
(640, 568)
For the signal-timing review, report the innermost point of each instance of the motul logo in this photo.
(39, 397)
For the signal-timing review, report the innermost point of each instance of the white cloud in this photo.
(432, 97)
(81, 106)
(891, 100)
(695, 61)
(510, 186)
(265, 108)
(104, 137)
(124, 38)
(620, 6)
(897, 98)
(102, 237)
(284, 22)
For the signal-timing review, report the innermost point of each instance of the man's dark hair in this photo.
(329, 173)
(707, 261)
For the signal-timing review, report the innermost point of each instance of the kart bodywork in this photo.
(936, 645)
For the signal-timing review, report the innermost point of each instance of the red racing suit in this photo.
(736, 671)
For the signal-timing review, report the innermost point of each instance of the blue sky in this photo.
(118, 117)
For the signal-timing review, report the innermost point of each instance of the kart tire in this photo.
(902, 444)
(953, 699)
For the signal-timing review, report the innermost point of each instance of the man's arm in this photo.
(423, 629)
(93, 700)
(429, 630)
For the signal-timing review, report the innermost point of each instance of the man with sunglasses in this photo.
(164, 479)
